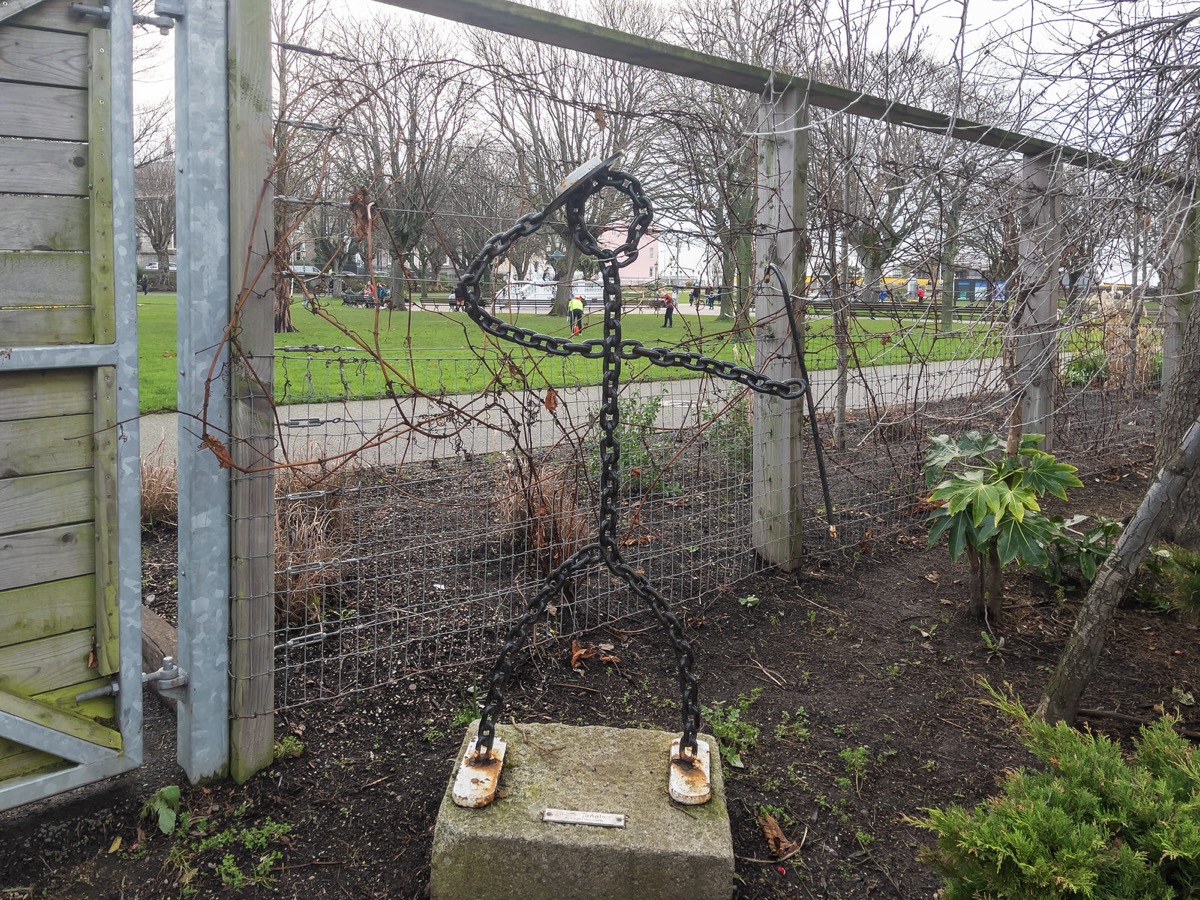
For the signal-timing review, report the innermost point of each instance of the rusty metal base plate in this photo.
(689, 782)
(477, 779)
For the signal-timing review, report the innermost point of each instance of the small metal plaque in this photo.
(582, 817)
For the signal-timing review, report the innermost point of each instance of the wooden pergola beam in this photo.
(562, 31)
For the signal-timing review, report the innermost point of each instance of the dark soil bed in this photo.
(874, 652)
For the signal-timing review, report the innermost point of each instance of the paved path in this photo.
(414, 429)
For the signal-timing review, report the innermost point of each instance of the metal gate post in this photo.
(1035, 318)
(129, 467)
(778, 447)
(202, 215)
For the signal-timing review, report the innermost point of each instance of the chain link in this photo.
(612, 350)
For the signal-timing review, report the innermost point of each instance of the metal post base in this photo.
(479, 775)
(689, 782)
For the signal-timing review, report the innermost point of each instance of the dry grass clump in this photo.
(160, 491)
(540, 513)
(309, 518)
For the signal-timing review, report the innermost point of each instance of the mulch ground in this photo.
(872, 652)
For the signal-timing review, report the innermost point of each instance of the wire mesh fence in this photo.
(434, 512)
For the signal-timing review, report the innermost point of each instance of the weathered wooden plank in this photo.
(252, 619)
(35, 446)
(43, 167)
(37, 111)
(47, 664)
(45, 501)
(11, 8)
(30, 395)
(64, 721)
(44, 223)
(55, 15)
(108, 582)
(43, 57)
(47, 555)
(29, 762)
(41, 279)
(64, 698)
(45, 327)
(51, 607)
(104, 302)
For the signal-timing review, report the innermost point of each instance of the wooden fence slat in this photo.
(44, 223)
(43, 167)
(37, 111)
(64, 698)
(30, 395)
(55, 15)
(100, 205)
(47, 664)
(108, 582)
(15, 7)
(34, 446)
(29, 762)
(46, 327)
(43, 57)
(45, 501)
(36, 279)
(51, 607)
(61, 720)
(49, 554)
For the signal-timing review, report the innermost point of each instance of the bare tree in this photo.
(154, 185)
(558, 109)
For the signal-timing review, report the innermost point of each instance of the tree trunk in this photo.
(565, 273)
(283, 303)
(1060, 702)
(987, 585)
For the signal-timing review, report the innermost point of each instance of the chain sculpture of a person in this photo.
(689, 765)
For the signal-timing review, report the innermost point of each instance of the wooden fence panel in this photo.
(30, 612)
(32, 395)
(37, 111)
(43, 167)
(43, 57)
(44, 223)
(61, 596)
(43, 501)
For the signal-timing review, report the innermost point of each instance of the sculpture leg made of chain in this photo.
(689, 766)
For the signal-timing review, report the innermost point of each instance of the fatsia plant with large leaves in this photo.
(987, 507)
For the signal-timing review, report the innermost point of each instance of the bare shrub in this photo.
(540, 512)
(308, 544)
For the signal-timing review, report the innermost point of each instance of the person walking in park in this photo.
(575, 314)
(668, 309)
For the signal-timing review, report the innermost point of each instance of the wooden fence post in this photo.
(1035, 313)
(252, 613)
(1178, 280)
(778, 450)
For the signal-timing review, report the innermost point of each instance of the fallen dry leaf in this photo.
(778, 843)
(551, 400)
(933, 577)
(609, 658)
(579, 654)
(115, 845)
(598, 112)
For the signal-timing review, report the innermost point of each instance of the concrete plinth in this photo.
(506, 852)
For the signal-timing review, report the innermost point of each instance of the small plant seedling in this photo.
(727, 722)
(287, 747)
(995, 646)
(855, 761)
(163, 806)
(749, 601)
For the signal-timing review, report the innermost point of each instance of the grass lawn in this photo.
(445, 352)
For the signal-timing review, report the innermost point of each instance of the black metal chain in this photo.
(612, 350)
